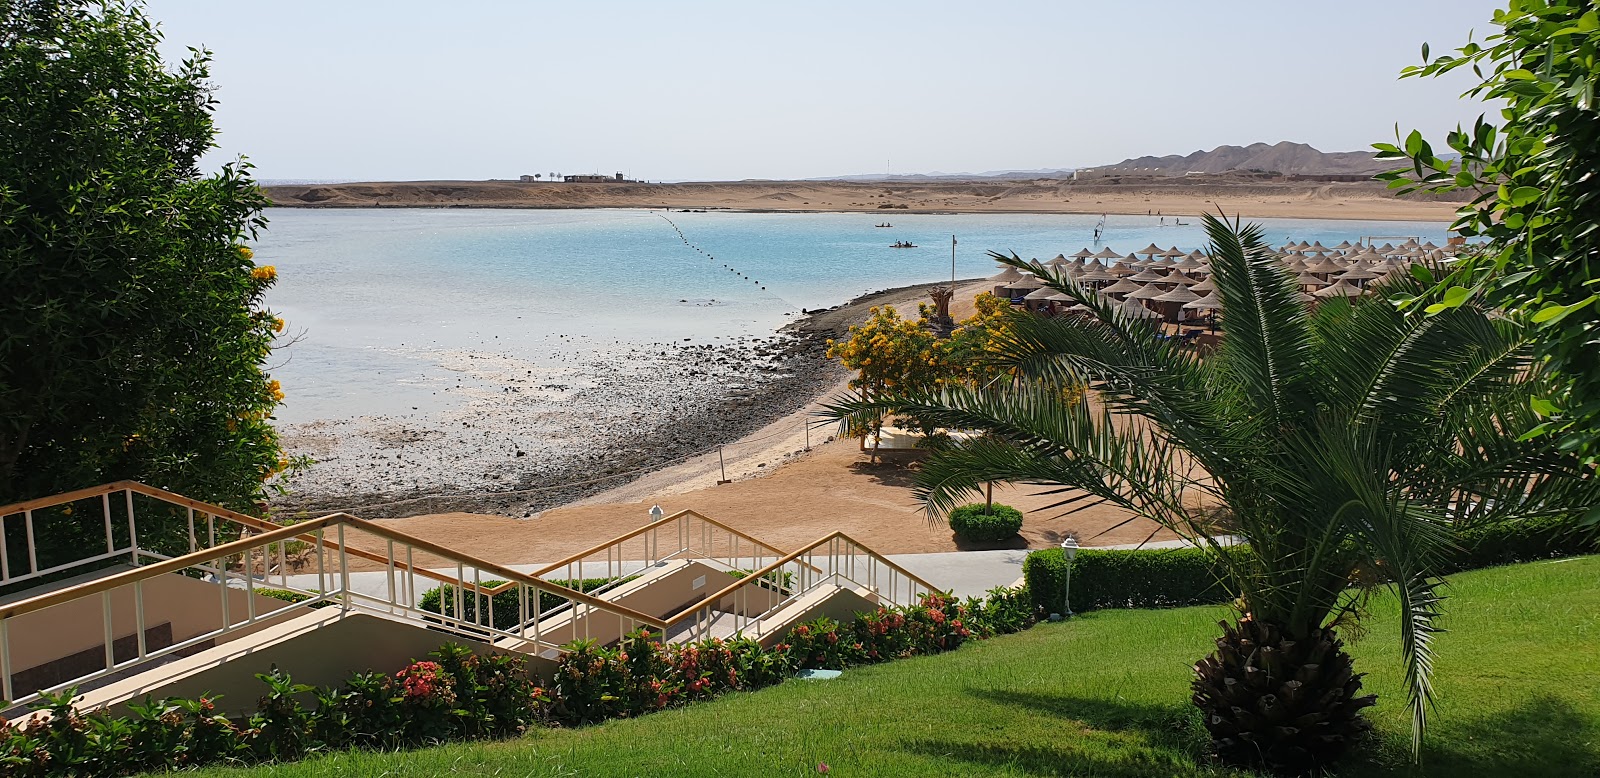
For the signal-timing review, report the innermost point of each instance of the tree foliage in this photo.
(1344, 446)
(1538, 198)
(132, 332)
(893, 354)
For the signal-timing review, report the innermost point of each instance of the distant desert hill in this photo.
(1284, 158)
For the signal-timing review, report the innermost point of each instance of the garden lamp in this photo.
(656, 514)
(1069, 549)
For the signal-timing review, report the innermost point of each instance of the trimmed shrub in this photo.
(971, 522)
(1528, 540)
(1159, 578)
(507, 606)
(1135, 578)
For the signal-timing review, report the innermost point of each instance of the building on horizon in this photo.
(596, 178)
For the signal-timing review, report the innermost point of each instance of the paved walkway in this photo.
(965, 573)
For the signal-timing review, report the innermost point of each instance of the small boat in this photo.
(902, 244)
(885, 224)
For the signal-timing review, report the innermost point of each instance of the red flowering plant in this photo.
(756, 667)
(494, 693)
(824, 644)
(588, 684)
(650, 679)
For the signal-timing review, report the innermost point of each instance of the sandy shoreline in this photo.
(779, 492)
(1253, 197)
(529, 446)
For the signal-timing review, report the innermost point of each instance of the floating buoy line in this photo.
(724, 265)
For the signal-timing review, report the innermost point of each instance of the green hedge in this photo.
(1158, 578)
(985, 523)
(1142, 578)
(507, 608)
(1527, 540)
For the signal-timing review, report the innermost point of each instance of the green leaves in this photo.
(1454, 297)
(1532, 175)
(1551, 314)
(133, 335)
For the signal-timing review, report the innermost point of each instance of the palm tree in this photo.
(1339, 446)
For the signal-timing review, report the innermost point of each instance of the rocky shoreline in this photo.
(544, 439)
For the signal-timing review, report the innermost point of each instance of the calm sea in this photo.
(382, 302)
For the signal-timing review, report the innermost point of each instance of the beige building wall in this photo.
(189, 606)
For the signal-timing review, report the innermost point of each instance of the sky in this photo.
(477, 89)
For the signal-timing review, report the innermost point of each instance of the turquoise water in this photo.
(381, 300)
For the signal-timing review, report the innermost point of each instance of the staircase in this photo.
(338, 594)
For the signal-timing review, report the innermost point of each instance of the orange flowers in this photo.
(275, 390)
(267, 273)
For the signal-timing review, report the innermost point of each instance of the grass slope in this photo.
(1103, 695)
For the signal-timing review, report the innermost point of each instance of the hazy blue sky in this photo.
(724, 90)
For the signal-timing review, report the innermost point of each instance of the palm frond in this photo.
(1267, 338)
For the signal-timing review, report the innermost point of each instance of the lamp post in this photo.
(656, 514)
(1069, 549)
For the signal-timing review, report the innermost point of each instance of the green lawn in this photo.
(1104, 695)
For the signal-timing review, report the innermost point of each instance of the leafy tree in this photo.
(1538, 199)
(132, 335)
(1341, 445)
(890, 353)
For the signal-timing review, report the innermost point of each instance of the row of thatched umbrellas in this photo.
(1178, 281)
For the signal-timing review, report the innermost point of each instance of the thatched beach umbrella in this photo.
(1151, 250)
(1083, 253)
(1122, 287)
(1135, 309)
(1324, 265)
(1148, 275)
(1005, 276)
(1204, 287)
(1339, 289)
(1356, 273)
(1307, 279)
(1029, 281)
(1343, 244)
(1179, 294)
(1147, 292)
(1096, 273)
(1107, 253)
(1172, 252)
(1188, 263)
(1207, 303)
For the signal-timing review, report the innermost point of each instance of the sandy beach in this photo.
(777, 490)
(1253, 197)
(526, 439)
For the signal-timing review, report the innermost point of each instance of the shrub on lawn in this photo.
(1135, 578)
(975, 522)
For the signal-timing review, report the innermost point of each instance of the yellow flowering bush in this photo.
(891, 353)
(267, 273)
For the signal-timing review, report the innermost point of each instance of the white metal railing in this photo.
(311, 560)
(683, 535)
(748, 606)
